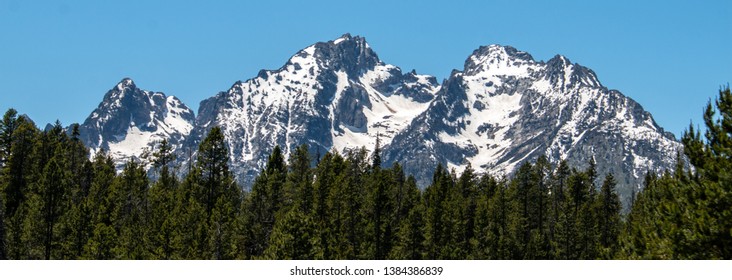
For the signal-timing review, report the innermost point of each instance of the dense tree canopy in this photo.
(58, 203)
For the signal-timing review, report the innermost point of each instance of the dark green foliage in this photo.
(346, 230)
(211, 185)
(263, 202)
(294, 237)
(101, 236)
(162, 205)
(442, 203)
(380, 210)
(130, 214)
(328, 175)
(409, 240)
(607, 209)
(688, 214)
(17, 172)
(7, 127)
(211, 171)
(299, 184)
(3, 253)
(57, 204)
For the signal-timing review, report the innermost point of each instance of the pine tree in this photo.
(299, 184)
(162, 204)
(559, 226)
(689, 209)
(400, 194)
(54, 193)
(498, 237)
(409, 239)
(44, 197)
(189, 222)
(7, 127)
(353, 194)
(541, 238)
(327, 174)
(131, 212)
(215, 189)
(294, 237)
(75, 225)
(379, 209)
(443, 211)
(263, 202)
(709, 197)
(468, 205)
(3, 254)
(213, 169)
(481, 243)
(345, 204)
(297, 211)
(522, 194)
(102, 237)
(608, 218)
(8, 183)
(16, 177)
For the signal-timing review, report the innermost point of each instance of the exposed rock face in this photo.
(130, 120)
(505, 108)
(333, 95)
(502, 109)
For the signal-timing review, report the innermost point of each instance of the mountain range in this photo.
(502, 109)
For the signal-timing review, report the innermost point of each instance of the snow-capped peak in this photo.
(344, 37)
(333, 95)
(502, 109)
(125, 83)
(497, 59)
(130, 120)
(505, 108)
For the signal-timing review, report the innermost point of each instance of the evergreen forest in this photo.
(58, 203)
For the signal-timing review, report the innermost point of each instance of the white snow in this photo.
(389, 113)
(173, 119)
(341, 84)
(500, 112)
(133, 144)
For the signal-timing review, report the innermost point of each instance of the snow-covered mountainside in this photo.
(502, 109)
(505, 108)
(130, 120)
(333, 95)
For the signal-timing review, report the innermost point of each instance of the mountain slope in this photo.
(130, 120)
(333, 95)
(502, 109)
(505, 108)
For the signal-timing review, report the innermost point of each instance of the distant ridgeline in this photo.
(501, 110)
(58, 203)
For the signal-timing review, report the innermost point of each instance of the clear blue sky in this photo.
(57, 59)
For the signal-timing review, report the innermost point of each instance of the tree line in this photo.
(58, 203)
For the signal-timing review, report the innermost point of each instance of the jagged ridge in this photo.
(502, 109)
(130, 121)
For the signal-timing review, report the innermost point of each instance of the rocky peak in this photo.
(496, 57)
(126, 83)
(562, 73)
(129, 120)
(350, 54)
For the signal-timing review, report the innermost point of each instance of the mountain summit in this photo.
(334, 95)
(505, 108)
(130, 120)
(502, 109)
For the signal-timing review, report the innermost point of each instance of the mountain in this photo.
(502, 109)
(505, 108)
(130, 121)
(331, 95)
